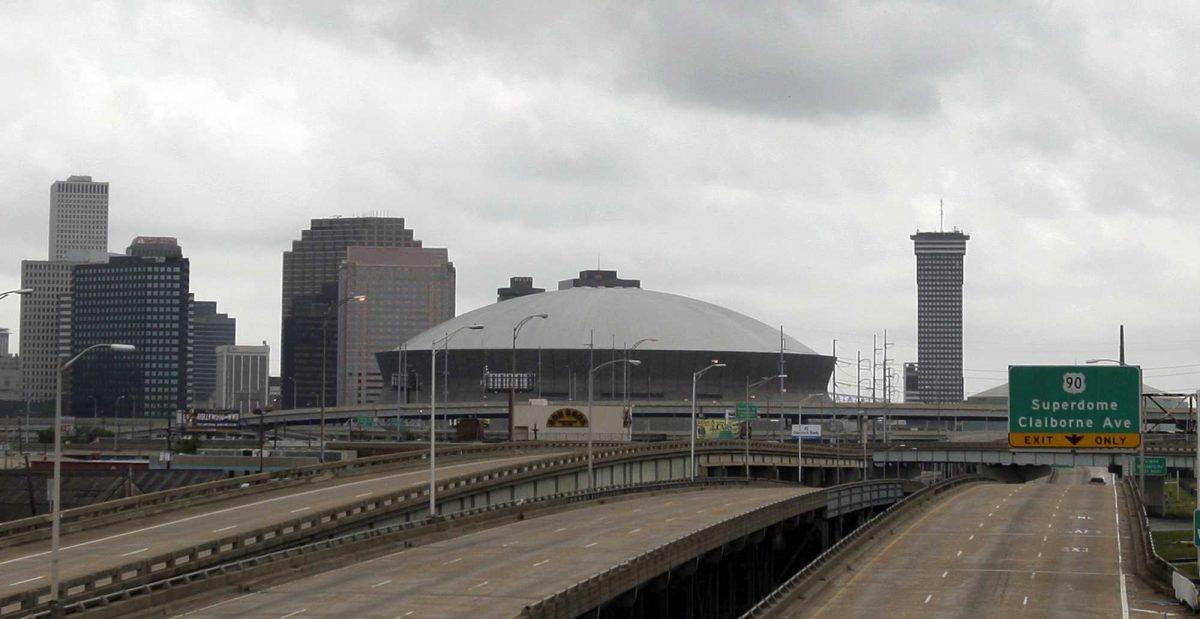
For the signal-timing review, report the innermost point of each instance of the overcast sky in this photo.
(773, 158)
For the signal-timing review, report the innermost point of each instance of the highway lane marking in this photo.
(636, 530)
(972, 538)
(452, 561)
(930, 596)
(408, 613)
(291, 614)
(482, 584)
(1120, 560)
(561, 529)
(945, 573)
(232, 526)
(192, 612)
(300, 509)
(591, 544)
(136, 551)
(542, 562)
(1044, 537)
(21, 582)
(226, 510)
(1026, 600)
(381, 583)
(1039, 555)
(981, 525)
(359, 496)
(990, 513)
(959, 554)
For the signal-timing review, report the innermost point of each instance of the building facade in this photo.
(79, 219)
(242, 378)
(210, 329)
(10, 372)
(40, 334)
(142, 299)
(939, 314)
(407, 290)
(517, 287)
(308, 342)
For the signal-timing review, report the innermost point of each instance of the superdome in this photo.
(689, 334)
(623, 315)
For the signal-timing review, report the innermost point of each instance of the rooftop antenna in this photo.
(941, 216)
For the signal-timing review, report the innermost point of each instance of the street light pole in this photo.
(692, 450)
(18, 291)
(324, 352)
(591, 379)
(512, 368)
(445, 342)
(56, 504)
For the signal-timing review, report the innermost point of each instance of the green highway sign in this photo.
(366, 421)
(747, 410)
(1156, 466)
(1074, 406)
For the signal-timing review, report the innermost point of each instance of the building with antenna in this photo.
(939, 314)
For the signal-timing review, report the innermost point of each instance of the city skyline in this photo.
(802, 202)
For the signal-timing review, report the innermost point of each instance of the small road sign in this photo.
(366, 421)
(747, 410)
(1074, 407)
(803, 431)
(1156, 466)
(1196, 528)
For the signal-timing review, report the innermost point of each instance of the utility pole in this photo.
(835, 359)
(887, 395)
(874, 358)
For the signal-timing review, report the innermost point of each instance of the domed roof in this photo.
(626, 314)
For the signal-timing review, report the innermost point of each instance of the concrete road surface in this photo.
(496, 572)
(1032, 550)
(28, 566)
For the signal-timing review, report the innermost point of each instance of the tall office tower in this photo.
(142, 299)
(310, 303)
(79, 220)
(517, 287)
(10, 372)
(408, 290)
(939, 314)
(210, 329)
(242, 376)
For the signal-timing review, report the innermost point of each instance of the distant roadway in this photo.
(498, 571)
(28, 566)
(1032, 550)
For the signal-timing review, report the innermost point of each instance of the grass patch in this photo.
(1187, 569)
(1180, 502)
(1174, 545)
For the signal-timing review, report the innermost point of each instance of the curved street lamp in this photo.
(56, 511)
(695, 377)
(445, 344)
(18, 291)
(591, 379)
(512, 368)
(625, 372)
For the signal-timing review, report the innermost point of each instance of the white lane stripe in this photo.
(561, 529)
(381, 583)
(192, 612)
(945, 573)
(232, 526)
(634, 531)
(1025, 601)
(927, 598)
(452, 561)
(365, 494)
(418, 474)
(482, 584)
(591, 544)
(21, 582)
(1120, 560)
(133, 552)
(959, 554)
(292, 614)
(972, 538)
(542, 562)
(299, 509)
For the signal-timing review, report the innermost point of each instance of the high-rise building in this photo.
(598, 279)
(517, 287)
(243, 373)
(407, 290)
(912, 384)
(310, 301)
(10, 372)
(79, 220)
(210, 330)
(939, 314)
(142, 299)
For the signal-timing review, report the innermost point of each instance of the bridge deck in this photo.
(1034, 550)
(28, 566)
(496, 572)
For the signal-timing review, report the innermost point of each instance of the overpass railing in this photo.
(785, 592)
(76, 519)
(594, 591)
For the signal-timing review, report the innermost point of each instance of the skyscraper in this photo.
(310, 301)
(242, 376)
(79, 219)
(78, 234)
(408, 290)
(210, 329)
(939, 314)
(142, 299)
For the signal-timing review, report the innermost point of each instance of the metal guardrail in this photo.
(34, 528)
(1159, 569)
(593, 591)
(784, 592)
(266, 538)
(375, 535)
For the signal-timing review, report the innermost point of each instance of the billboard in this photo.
(717, 429)
(207, 419)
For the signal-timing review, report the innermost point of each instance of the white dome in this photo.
(626, 314)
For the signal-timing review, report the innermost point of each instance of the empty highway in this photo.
(28, 566)
(497, 572)
(1050, 548)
